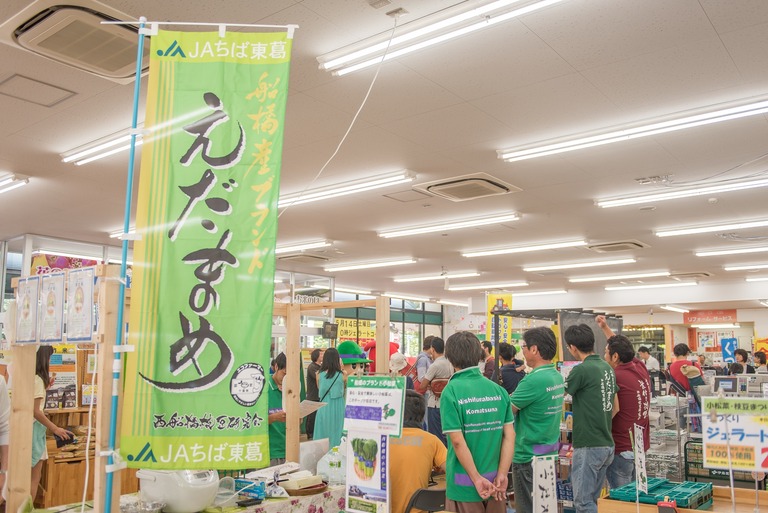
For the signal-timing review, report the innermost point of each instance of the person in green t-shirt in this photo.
(276, 412)
(477, 418)
(538, 406)
(593, 387)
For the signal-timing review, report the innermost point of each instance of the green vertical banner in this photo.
(203, 272)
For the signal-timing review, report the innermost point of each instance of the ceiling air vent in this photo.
(73, 35)
(467, 187)
(613, 247)
(304, 258)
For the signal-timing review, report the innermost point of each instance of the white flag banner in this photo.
(640, 473)
(544, 484)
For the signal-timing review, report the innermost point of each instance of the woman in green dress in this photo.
(331, 379)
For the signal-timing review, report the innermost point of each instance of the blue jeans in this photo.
(522, 477)
(435, 425)
(588, 469)
(622, 470)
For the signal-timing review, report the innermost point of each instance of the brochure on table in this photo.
(737, 429)
(373, 413)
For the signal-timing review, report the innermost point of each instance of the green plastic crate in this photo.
(687, 494)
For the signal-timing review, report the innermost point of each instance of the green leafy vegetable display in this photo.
(365, 451)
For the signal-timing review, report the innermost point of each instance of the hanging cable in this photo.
(352, 124)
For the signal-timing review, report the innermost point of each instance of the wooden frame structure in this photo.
(22, 400)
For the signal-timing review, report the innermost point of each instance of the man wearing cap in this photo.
(398, 366)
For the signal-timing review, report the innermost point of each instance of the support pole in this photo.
(115, 371)
(382, 334)
(109, 297)
(292, 382)
(22, 404)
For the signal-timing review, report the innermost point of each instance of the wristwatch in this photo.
(3, 472)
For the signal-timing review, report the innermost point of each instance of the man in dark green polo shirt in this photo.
(276, 412)
(538, 406)
(477, 418)
(593, 387)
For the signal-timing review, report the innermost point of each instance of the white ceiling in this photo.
(580, 65)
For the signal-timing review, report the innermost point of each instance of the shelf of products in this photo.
(668, 438)
(694, 467)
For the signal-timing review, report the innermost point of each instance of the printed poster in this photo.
(89, 394)
(367, 472)
(63, 369)
(641, 475)
(203, 271)
(500, 302)
(27, 309)
(80, 304)
(52, 306)
(706, 339)
(740, 430)
(358, 330)
(544, 483)
(375, 404)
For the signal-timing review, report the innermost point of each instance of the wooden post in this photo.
(382, 334)
(22, 404)
(292, 382)
(109, 298)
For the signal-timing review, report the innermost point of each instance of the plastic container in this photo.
(335, 475)
(687, 494)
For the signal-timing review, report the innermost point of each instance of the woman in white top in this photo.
(39, 450)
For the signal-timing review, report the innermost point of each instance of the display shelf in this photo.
(694, 467)
(668, 438)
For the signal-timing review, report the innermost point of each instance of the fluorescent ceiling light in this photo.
(10, 183)
(762, 278)
(351, 290)
(342, 189)
(453, 303)
(369, 265)
(682, 193)
(760, 249)
(444, 227)
(108, 147)
(424, 33)
(673, 308)
(716, 326)
(121, 141)
(654, 286)
(438, 277)
(682, 120)
(745, 267)
(652, 328)
(490, 286)
(539, 293)
(295, 248)
(524, 249)
(580, 265)
(67, 255)
(764, 302)
(620, 277)
(712, 228)
(396, 295)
